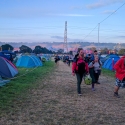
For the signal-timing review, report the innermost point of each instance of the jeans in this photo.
(91, 71)
(96, 77)
(79, 81)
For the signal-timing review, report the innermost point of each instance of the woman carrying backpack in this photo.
(95, 71)
(80, 68)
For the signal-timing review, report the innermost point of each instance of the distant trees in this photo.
(25, 49)
(7, 47)
(39, 49)
(121, 52)
(105, 51)
(92, 48)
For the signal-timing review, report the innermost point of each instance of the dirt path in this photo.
(55, 102)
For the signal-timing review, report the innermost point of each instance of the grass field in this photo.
(109, 73)
(17, 89)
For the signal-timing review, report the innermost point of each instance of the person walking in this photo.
(57, 59)
(95, 53)
(80, 68)
(120, 75)
(87, 58)
(95, 71)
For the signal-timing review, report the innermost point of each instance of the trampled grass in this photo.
(54, 101)
(18, 88)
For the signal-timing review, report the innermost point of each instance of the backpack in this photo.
(98, 71)
(81, 67)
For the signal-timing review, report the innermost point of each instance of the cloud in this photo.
(25, 12)
(68, 39)
(57, 37)
(108, 11)
(77, 8)
(71, 15)
(121, 37)
(103, 3)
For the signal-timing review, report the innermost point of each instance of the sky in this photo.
(44, 20)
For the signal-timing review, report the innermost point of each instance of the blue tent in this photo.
(7, 69)
(108, 64)
(4, 82)
(37, 60)
(28, 61)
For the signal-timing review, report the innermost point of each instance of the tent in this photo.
(5, 56)
(7, 69)
(43, 58)
(3, 82)
(109, 63)
(103, 59)
(8, 55)
(46, 57)
(37, 60)
(28, 61)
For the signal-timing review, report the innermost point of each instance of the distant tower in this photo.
(65, 47)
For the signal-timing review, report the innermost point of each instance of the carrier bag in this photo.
(87, 80)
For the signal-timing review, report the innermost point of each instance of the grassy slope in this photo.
(18, 88)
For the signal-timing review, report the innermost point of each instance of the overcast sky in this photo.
(44, 20)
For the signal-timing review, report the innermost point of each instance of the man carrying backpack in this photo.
(80, 68)
(87, 58)
(93, 55)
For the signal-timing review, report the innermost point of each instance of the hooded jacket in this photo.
(120, 68)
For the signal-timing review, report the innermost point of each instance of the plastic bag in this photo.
(87, 80)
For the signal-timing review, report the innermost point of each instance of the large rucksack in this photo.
(81, 67)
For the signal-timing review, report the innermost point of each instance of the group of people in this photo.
(65, 58)
(91, 64)
(86, 65)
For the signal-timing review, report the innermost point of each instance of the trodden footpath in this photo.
(55, 102)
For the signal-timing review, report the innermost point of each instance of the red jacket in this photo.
(75, 67)
(120, 68)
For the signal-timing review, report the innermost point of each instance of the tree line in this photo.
(26, 49)
(116, 51)
(38, 49)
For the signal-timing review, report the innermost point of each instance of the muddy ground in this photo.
(55, 102)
